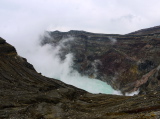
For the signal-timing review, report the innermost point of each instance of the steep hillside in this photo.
(120, 60)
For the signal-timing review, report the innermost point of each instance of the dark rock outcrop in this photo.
(6, 48)
(119, 60)
(25, 94)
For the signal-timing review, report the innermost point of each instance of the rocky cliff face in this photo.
(119, 60)
(25, 94)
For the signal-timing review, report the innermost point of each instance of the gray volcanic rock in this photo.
(151, 81)
(119, 60)
(26, 94)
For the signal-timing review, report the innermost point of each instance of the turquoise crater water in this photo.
(91, 85)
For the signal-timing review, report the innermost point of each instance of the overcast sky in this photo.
(22, 19)
(107, 16)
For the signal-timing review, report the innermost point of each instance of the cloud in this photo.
(112, 40)
(111, 16)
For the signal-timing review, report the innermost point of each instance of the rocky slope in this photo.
(26, 94)
(120, 60)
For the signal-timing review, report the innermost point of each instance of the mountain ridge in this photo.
(145, 31)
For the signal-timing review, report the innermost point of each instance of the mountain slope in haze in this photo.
(26, 94)
(153, 30)
(120, 60)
